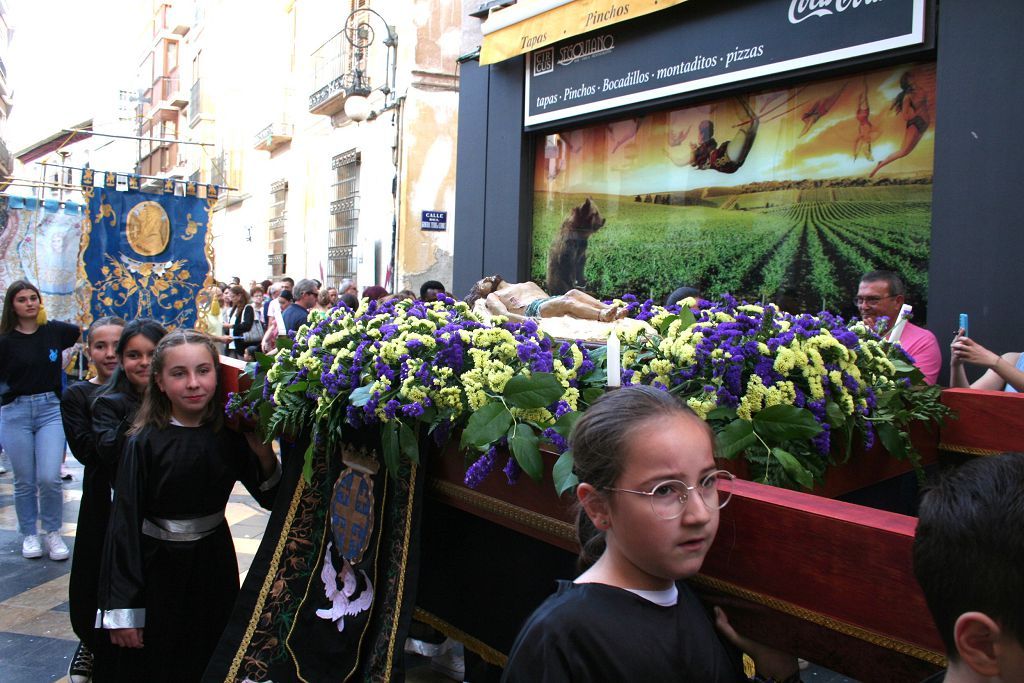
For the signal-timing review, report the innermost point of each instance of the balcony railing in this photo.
(335, 64)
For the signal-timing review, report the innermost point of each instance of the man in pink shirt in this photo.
(881, 294)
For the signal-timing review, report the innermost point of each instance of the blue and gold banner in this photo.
(144, 254)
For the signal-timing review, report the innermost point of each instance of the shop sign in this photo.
(702, 45)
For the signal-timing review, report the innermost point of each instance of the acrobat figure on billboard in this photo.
(913, 105)
(866, 131)
(729, 156)
(819, 109)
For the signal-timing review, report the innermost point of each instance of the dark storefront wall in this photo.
(976, 233)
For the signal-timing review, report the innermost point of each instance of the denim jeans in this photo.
(34, 441)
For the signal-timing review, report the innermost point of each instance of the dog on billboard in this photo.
(568, 255)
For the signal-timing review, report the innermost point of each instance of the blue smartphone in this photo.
(963, 323)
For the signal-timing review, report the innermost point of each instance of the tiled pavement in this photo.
(36, 640)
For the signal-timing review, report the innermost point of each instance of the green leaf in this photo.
(562, 473)
(564, 424)
(784, 423)
(592, 394)
(722, 413)
(901, 365)
(486, 425)
(537, 391)
(892, 439)
(598, 355)
(298, 387)
(307, 462)
(523, 442)
(264, 360)
(793, 468)
(409, 444)
(284, 342)
(737, 436)
(688, 319)
(361, 396)
(667, 322)
(836, 416)
(389, 444)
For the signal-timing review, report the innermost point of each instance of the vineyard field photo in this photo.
(807, 254)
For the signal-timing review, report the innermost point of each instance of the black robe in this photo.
(186, 588)
(93, 515)
(112, 416)
(592, 632)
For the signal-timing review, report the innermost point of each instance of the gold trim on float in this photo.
(968, 450)
(268, 581)
(409, 505)
(446, 490)
(832, 624)
(486, 652)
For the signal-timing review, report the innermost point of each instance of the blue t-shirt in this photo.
(294, 317)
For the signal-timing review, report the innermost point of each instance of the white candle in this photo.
(901, 321)
(614, 361)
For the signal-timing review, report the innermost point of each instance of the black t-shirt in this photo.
(592, 632)
(31, 363)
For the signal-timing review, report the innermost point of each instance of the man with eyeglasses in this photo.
(881, 295)
(304, 295)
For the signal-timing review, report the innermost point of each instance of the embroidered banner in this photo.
(144, 254)
(39, 243)
(331, 591)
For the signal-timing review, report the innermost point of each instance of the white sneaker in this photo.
(30, 547)
(58, 550)
(451, 663)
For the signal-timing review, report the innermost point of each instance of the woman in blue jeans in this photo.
(30, 380)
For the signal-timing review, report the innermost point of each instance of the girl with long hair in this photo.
(30, 380)
(169, 575)
(94, 508)
(115, 403)
(649, 494)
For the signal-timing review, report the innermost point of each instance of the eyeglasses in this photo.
(871, 300)
(668, 498)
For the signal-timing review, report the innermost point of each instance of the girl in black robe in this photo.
(169, 575)
(649, 494)
(111, 408)
(93, 510)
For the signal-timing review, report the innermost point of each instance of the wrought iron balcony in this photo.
(273, 136)
(338, 71)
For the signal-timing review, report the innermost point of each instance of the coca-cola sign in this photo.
(800, 10)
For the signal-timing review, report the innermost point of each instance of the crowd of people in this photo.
(160, 463)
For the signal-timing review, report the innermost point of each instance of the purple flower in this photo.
(512, 470)
(479, 470)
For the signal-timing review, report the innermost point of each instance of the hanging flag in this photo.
(144, 254)
(39, 243)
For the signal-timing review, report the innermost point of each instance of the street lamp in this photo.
(360, 35)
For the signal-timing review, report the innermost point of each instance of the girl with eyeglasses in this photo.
(649, 499)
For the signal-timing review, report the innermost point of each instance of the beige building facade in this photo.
(314, 192)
